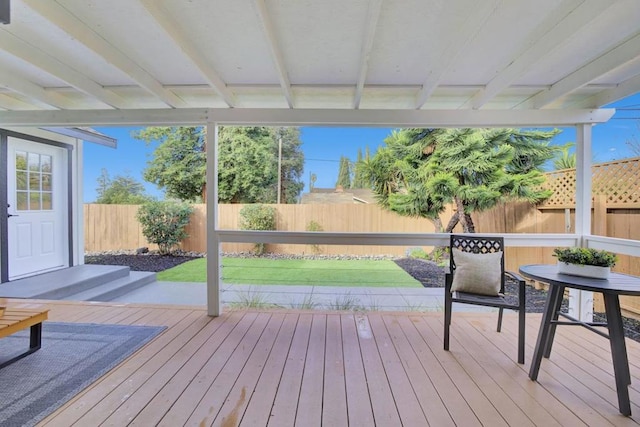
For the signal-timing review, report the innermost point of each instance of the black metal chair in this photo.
(482, 245)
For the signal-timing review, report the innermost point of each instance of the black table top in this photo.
(622, 284)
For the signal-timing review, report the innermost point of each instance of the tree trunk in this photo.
(462, 217)
(437, 224)
(470, 225)
(452, 223)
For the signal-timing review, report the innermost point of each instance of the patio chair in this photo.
(477, 277)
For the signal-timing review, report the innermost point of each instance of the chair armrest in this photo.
(448, 281)
(522, 289)
(514, 276)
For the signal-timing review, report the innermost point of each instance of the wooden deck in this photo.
(285, 368)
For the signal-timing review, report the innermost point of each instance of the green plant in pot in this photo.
(585, 262)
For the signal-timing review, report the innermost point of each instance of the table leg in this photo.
(35, 342)
(545, 328)
(557, 304)
(618, 351)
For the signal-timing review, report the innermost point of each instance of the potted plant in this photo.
(585, 262)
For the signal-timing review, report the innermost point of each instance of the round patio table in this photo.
(617, 284)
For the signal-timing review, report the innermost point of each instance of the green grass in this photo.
(262, 271)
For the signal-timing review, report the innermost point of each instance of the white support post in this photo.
(581, 302)
(214, 270)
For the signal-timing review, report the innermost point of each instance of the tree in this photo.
(344, 173)
(178, 164)
(358, 179)
(564, 159)
(312, 181)
(292, 163)
(419, 171)
(248, 163)
(634, 142)
(121, 190)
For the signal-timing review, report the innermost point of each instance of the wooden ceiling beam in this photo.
(269, 31)
(67, 22)
(615, 58)
(560, 24)
(373, 14)
(307, 117)
(476, 20)
(49, 64)
(172, 28)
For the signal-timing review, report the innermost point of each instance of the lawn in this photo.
(261, 271)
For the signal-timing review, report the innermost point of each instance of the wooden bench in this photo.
(17, 319)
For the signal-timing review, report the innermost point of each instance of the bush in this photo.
(163, 223)
(417, 253)
(315, 226)
(437, 255)
(258, 217)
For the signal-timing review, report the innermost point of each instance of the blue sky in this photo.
(323, 147)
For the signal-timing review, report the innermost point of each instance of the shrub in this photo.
(315, 226)
(417, 253)
(586, 256)
(437, 255)
(163, 223)
(258, 217)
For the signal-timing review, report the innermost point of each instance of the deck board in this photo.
(432, 405)
(285, 404)
(209, 365)
(334, 407)
(409, 408)
(262, 399)
(360, 412)
(309, 411)
(313, 368)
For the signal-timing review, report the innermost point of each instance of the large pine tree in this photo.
(419, 171)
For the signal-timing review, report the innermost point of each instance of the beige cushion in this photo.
(477, 273)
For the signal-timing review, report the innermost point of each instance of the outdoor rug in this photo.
(73, 355)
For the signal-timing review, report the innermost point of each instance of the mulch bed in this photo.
(144, 262)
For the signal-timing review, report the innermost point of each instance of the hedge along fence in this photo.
(114, 227)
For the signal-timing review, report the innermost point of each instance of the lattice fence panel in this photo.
(618, 180)
(563, 184)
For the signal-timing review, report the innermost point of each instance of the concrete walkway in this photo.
(303, 297)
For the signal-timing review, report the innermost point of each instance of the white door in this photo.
(37, 196)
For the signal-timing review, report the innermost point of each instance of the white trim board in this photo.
(308, 117)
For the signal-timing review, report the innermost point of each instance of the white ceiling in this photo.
(319, 54)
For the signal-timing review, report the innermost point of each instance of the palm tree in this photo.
(565, 160)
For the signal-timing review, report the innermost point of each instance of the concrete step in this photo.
(113, 289)
(63, 283)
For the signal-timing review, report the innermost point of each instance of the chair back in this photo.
(477, 245)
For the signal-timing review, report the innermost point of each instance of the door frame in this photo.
(4, 197)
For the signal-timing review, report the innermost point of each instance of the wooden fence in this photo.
(616, 213)
(114, 227)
